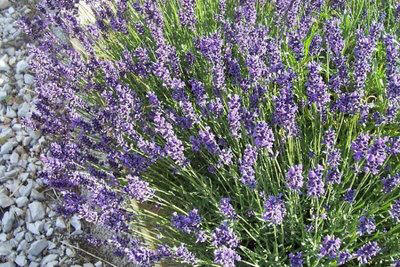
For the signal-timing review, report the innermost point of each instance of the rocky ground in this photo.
(31, 233)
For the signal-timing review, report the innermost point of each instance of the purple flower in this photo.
(187, 14)
(334, 157)
(376, 155)
(223, 235)
(390, 183)
(138, 189)
(315, 46)
(183, 255)
(285, 106)
(210, 47)
(349, 195)
(208, 139)
(334, 176)
(366, 226)
(317, 91)
(344, 257)
(187, 224)
(234, 115)
(174, 147)
(294, 177)
(226, 256)
(396, 263)
(360, 146)
(330, 246)
(315, 183)
(367, 252)
(296, 259)
(247, 167)
(395, 210)
(263, 136)
(329, 139)
(226, 208)
(275, 210)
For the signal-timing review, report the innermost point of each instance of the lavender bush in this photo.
(224, 133)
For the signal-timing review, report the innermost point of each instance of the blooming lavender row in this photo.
(238, 146)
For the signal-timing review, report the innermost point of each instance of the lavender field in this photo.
(222, 132)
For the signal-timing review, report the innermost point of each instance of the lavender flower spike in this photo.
(294, 177)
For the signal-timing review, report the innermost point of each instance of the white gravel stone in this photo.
(60, 223)
(11, 113)
(28, 79)
(21, 260)
(76, 223)
(48, 258)
(7, 147)
(4, 63)
(37, 210)
(4, 4)
(14, 158)
(23, 110)
(21, 201)
(5, 201)
(21, 66)
(3, 95)
(8, 221)
(5, 248)
(37, 247)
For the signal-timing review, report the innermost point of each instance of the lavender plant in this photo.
(225, 133)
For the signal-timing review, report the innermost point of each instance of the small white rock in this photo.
(4, 4)
(3, 95)
(3, 63)
(76, 223)
(37, 247)
(7, 147)
(14, 158)
(21, 201)
(20, 260)
(28, 79)
(23, 110)
(8, 221)
(11, 113)
(48, 258)
(5, 249)
(60, 223)
(5, 201)
(21, 66)
(37, 210)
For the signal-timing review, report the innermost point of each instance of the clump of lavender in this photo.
(294, 177)
(275, 210)
(237, 133)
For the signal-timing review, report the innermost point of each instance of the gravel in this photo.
(31, 232)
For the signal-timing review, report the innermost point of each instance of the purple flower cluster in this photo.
(315, 183)
(390, 183)
(138, 189)
(263, 136)
(188, 224)
(274, 210)
(247, 167)
(330, 246)
(395, 210)
(294, 177)
(317, 91)
(234, 115)
(296, 259)
(187, 13)
(367, 252)
(227, 209)
(366, 225)
(223, 235)
(226, 256)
